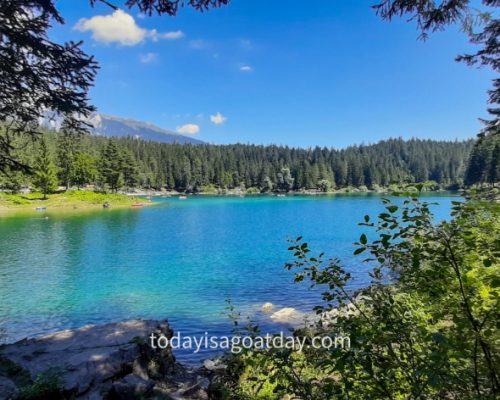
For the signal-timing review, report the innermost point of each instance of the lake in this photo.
(180, 260)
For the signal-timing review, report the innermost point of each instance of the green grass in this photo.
(69, 199)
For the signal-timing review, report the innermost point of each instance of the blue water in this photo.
(178, 260)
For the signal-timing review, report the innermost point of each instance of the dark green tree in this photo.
(84, 169)
(129, 169)
(494, 169)
(67, 148)
(37, 75)
(111, 167)
(45, 178)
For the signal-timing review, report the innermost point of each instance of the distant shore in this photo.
(89, 200)
(68, 201)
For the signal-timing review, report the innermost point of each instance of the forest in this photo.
(112, 164)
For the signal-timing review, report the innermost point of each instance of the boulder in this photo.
(130, 387)
(89, 359)
(288, 315)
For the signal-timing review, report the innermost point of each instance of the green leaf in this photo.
(359, 250)
(363, 239)
(392, 209)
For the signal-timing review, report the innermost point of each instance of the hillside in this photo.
(111, 126)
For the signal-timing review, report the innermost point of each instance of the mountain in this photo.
(107, 125)
(111, 126)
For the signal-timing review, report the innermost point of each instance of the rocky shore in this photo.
(111, 361)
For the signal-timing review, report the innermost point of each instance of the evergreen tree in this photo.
(84, 169)
(110, 167)
(66, 153)
(129, 169)
(285, 180)
(494, 170)
(45, 178)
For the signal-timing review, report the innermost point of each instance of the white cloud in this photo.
(218, 119)
(189, 129)
(246, 68)
(171, 35)
(121, 28)
(148, 58)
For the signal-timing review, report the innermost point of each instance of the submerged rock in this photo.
(289, 315)
(267, 307)
(112, 361)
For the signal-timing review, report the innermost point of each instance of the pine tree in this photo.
(494, 169)
(84, 169)
(45, 171)
(111, 166)
(66, 153)
(129, 169)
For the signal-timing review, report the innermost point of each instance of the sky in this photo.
(327, 73)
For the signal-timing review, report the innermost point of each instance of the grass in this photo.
(72, 199)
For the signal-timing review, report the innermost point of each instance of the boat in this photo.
(44, 208)
(182, 197)
(137, 205)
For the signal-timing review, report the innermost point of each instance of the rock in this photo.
(197, 391)
(267, 307)
(288, 315)
(7, 388)
(131, 387)
(89, 358)
(214, 364)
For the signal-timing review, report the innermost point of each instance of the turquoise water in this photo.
(178, 260)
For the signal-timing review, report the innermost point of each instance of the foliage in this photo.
(45, 171)
(66, 153)
(484, 161)
(433, 16)
(132, 162)
(41, 78)
(84, 169)
(169, 7)
(46, 386)
(37, 74)
(426, 327)
(110, 166)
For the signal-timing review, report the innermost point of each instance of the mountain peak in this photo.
(113, 126)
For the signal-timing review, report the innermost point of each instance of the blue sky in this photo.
(330, 73)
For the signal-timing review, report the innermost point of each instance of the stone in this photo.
(88, 358)
(288, 315)
(267, 307)
(214, 364)
(131, 387)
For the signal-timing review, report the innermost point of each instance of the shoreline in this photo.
(87, 201)
(68, 202)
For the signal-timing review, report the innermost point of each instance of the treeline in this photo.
(113, 164)
(484, 161)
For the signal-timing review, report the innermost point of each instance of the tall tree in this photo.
(66, 153)
(432, 16)
(37, 75)
(84, 169)
(111, 166)
(45, 178)
(40, 78)
(494, 169)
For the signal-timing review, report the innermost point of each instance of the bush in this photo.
(45, 387)
(426, 327)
